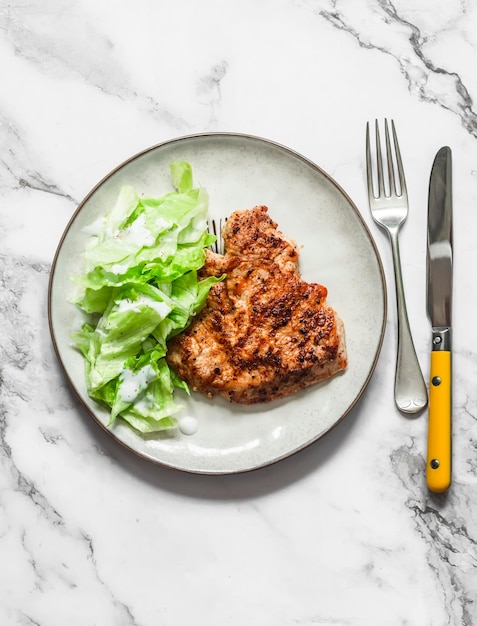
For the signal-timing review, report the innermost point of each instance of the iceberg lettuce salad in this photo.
(140, 288)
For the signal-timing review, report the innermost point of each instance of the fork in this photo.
(216, 229)
(389, 209)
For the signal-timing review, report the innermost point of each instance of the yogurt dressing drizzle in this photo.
(188, 425)
(133, 384)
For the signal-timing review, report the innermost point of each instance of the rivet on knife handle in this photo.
(439, 439)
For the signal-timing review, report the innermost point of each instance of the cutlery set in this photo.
(389, 207)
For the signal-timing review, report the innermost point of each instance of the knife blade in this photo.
(439, 309)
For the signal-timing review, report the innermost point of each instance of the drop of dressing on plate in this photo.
(188, 425)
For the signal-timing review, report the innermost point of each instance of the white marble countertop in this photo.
(344, 533)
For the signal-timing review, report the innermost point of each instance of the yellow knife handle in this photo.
(439, 439)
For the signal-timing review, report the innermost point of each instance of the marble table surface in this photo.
(343, 533)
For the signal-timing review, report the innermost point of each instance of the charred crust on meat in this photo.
(264, 332)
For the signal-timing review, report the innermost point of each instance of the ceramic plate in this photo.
(337, 250)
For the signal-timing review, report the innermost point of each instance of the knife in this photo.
(439, 310)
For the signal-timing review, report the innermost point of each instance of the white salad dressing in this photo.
(134, 305)
(138, 234)
(144, 404)
(188, 425)
(134, 383)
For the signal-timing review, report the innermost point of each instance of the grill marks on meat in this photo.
(264, 332)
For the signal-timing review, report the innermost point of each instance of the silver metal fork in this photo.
(215, 228)
(389, 208)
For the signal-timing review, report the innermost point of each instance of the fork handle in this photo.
(410, 392)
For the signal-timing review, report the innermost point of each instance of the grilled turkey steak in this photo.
(264, 332)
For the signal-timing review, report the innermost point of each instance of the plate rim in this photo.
(224, 135)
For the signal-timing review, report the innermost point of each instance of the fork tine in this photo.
(402, 178)
(369, 171)
(379, 159)
(217, 242)
(211, 229)
(219, 245)
(389, 156)
(220, 240)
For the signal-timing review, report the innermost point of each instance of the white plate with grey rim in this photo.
(336, 249)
